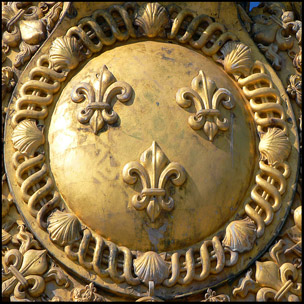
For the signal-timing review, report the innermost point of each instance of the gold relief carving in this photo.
(152, 18)
(295, 234)
(274, 280)
(65, 53)
(276, 30)
(213, 257)
(154, 170)
(8, 81)
(150, 297)
(27, 137)
(28, 26)
(237, 59)
(205, 36)
(150, 266)
(240, 235)
(25, 166)
(32, 90)
(206, 98)
(294, 88)
(27, 270)
(63, 228)
(211, 296)
(86, 294)
(263, 98)
(274, 146)
(100, 94)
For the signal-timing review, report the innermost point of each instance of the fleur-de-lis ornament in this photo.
(206, 98)
(154, 170)
(99, 95)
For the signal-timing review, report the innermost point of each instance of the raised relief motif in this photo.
(26, 271)
(150, 266)
(103, 257)
(27, 137)
(154, 170)
(152, 19)
(240, 235)
(237, 59)
(28, 26)
(64, 228)
(206, 98)
(211, 296)
(274, 280)
(276, 30)
(86, 294)
(100, 94)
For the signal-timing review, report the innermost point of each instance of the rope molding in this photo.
(31, 105)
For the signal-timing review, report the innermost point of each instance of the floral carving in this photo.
(63, 228)
(237, 58)
(152, 18)
(150, 266)
(25, 270)
(273, 281)
(154, 170)
(240, 235)
(295, 233)
(211, 296)
(99, 95)
(27, 137)
(206, 98)
(28, 26)
(274, 146)
(276, 30)
(8, 81)
(86, 294)
(294, 88)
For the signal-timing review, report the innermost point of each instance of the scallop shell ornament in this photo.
(151, 267)
(27, 137)
(152, 19)
(240, 235)
(65, 53)
(63, 228)
(237, 58)
(274, 146)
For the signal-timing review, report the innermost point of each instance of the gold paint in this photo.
(206, 98)
(198, 257)
(154, 171)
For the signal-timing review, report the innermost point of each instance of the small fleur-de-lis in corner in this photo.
(154, 170)
(99, 95)
(206, 98)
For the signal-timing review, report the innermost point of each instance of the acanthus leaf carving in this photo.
(100, 95)
(154, 170)
(206, 98)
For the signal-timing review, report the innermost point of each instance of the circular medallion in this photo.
(88, 167)
(153, 163)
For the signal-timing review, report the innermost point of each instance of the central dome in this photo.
(88, 167)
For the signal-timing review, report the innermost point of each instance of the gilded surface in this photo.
(152, 152)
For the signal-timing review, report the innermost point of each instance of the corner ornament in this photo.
(206, 98)
(99, 95)
(153, 171)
